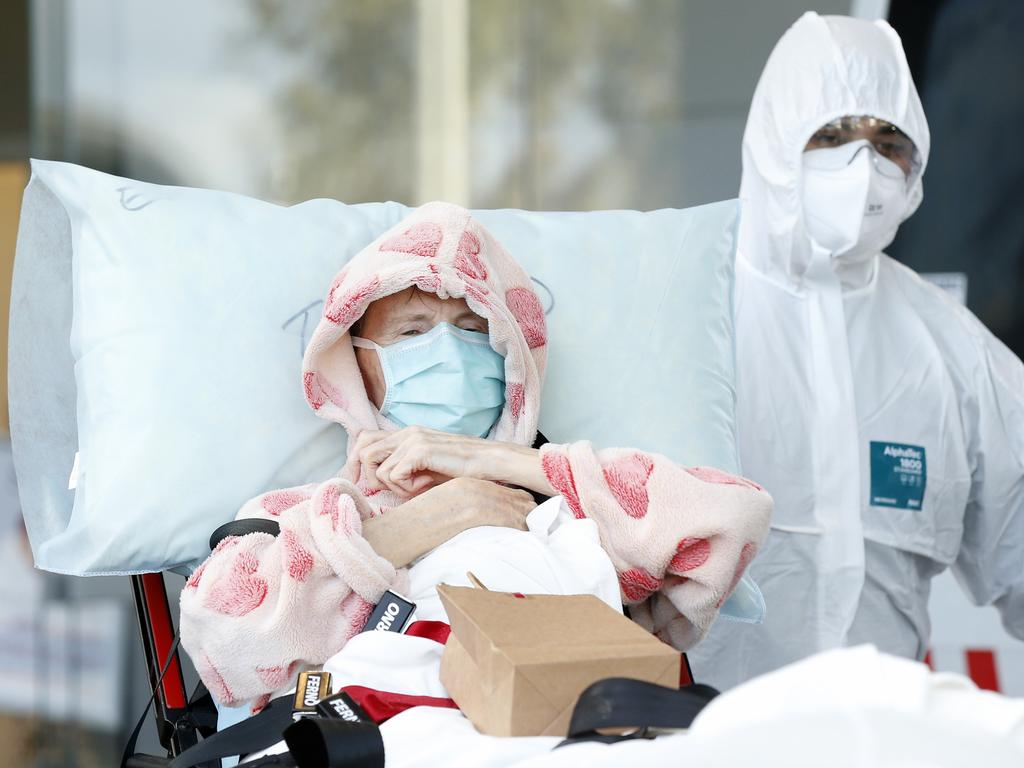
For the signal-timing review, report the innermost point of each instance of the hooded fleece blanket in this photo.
(260, 608)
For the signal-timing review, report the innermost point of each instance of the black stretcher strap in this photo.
(129, 748)
(323, 742)
(621, 702)
(243, 527)
(313, 742)
(251, 735)
(203, 711)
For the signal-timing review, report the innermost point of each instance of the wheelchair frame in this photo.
(177, 722)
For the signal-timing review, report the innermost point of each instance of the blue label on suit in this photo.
(898, 475)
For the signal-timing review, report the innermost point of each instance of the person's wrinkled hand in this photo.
(412, 460)
(484, 502)
(412, 529)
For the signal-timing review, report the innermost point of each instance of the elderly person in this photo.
(431, 354)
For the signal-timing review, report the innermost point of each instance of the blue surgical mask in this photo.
(447, 379)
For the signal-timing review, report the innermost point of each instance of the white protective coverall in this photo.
(885, 419)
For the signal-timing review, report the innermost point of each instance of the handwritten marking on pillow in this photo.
(637, 584)
(525, 307)
(551, 296)
(133, 201)
(348, 308)
(559, 473)
(241, 590)
(422, 239)
(303, 320)
(690, 553)
(627, 480)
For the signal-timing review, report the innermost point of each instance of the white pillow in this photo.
(187, 312)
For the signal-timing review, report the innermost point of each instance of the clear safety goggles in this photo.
(889, 142)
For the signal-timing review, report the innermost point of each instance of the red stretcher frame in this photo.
(176, 729)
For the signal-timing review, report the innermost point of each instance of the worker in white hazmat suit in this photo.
(884, 418)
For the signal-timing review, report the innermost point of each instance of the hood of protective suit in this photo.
(439, 249)
(821, 69)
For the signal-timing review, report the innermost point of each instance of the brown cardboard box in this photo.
(516, 664)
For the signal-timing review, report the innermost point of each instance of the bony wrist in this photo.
(515, 464)
(486, 461)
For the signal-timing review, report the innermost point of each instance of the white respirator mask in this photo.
(853, 200)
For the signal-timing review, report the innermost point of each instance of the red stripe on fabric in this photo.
(685, 675)
(381, 706)
(928, 661)
(437, 631)
(981, 668)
